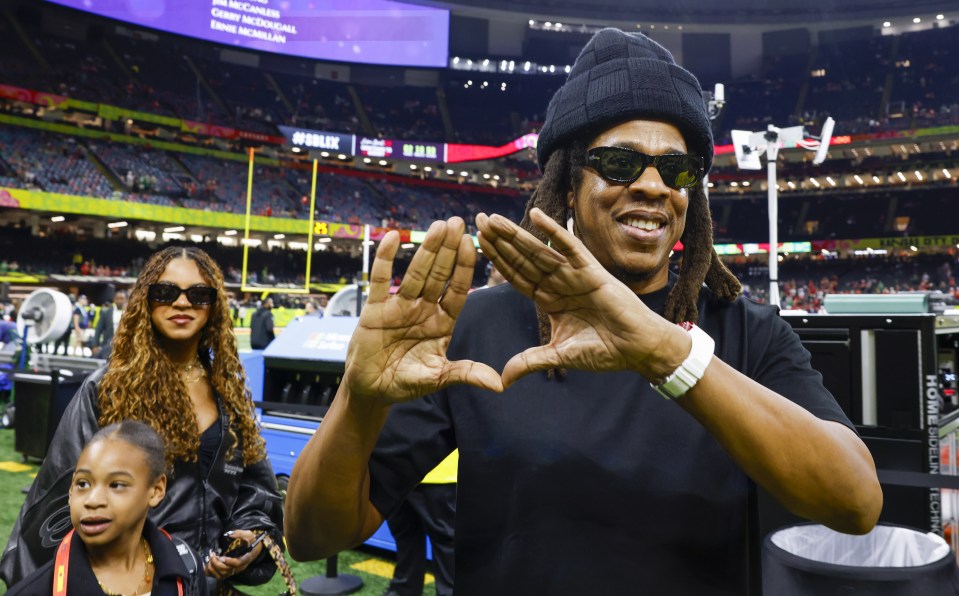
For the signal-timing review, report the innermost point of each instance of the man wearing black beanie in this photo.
(580, 478)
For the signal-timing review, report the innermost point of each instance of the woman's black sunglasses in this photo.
(619, 164)
(197, 295)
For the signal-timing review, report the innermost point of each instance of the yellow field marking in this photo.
(375, 567)
(382, 569)
(12, 466)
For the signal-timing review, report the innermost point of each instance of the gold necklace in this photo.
(186, 370)
(147, 563)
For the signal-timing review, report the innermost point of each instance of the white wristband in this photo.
(692, 369)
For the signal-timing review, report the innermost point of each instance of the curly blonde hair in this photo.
(142, 383)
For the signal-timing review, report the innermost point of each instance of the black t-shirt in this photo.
(594, 484)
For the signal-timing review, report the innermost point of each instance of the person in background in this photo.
(638, 409)
(430, 510)
(79, 324)
(113, 548)
(235, 311)
(107, 325)
(174, 365)
(493, 276)
(261, 325)
(312, 310)
(322, 301)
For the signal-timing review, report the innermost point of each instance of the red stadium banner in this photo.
(456, 153)
(40, 98)
(836, 140)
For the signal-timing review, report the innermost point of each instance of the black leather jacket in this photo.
(197, 510)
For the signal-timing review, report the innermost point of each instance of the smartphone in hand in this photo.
(242, 548)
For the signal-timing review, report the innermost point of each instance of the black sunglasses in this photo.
(197, 295)
(619, 164)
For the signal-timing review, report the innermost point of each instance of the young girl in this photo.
(113, 548)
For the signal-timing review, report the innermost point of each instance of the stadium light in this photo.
(59, 218)
(887, 24)
(174, 229)
(858, 179)
(946, 173)
(117, 224)
(229, 233)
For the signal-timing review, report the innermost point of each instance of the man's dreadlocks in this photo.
(564, 171)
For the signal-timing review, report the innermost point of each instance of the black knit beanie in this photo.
(620, 76)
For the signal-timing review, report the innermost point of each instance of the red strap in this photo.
(179, 580)
(61, 565)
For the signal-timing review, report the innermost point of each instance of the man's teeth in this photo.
(642, 224)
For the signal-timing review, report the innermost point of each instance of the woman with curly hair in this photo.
(175, 367)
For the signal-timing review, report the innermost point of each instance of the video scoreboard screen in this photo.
(366, 31)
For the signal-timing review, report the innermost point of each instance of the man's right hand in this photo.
(398, 351)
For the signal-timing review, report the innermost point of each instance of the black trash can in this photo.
(40, 400)
(812, 560)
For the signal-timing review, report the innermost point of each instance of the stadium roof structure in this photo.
(712, 11)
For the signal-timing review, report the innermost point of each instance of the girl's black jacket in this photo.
(196, 509)
(172, 560)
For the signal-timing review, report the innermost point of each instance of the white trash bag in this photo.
(884, 546)
(812, 560)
